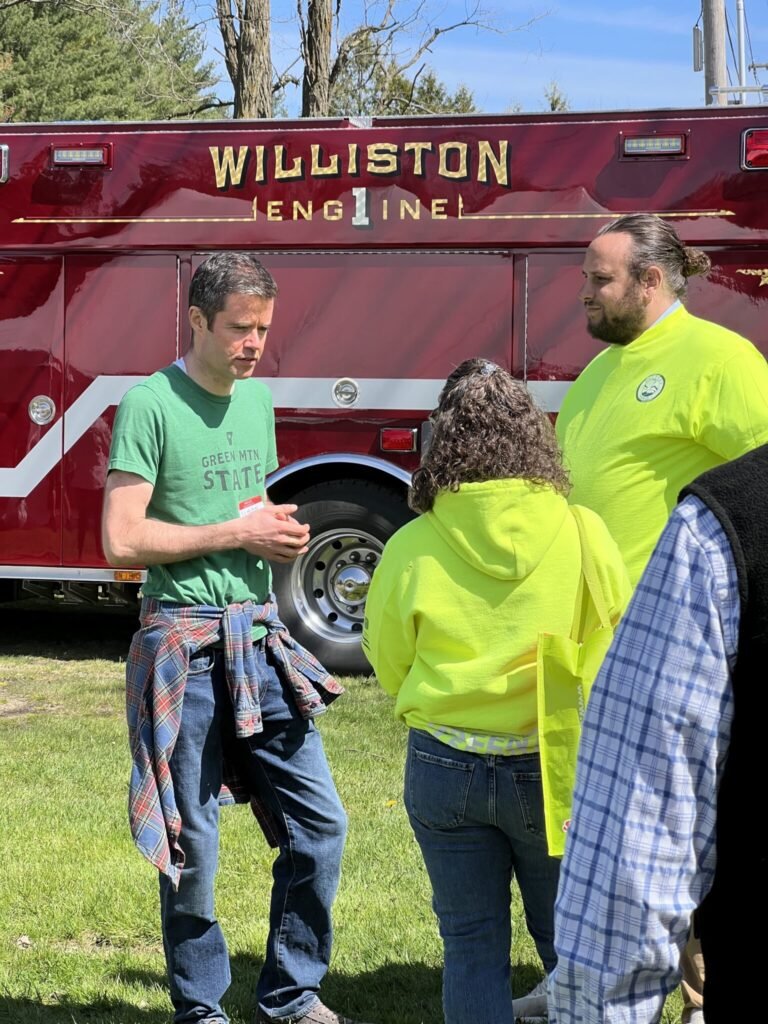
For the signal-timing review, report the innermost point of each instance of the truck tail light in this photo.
(754, 156)
(639, 146)
(397, 439)
(82, 156)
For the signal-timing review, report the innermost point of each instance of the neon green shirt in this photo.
(645, 419)
(207, 457)
(458, 601)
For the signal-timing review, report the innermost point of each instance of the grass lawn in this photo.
(79, 933)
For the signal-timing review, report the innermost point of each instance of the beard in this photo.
(622, 326)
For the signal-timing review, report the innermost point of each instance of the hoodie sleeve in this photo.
(389, 634)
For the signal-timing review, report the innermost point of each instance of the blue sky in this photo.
(604, 55)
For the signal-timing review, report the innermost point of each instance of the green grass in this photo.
(79, 934)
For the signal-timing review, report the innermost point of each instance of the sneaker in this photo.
(318, 1013)
(532, 1006)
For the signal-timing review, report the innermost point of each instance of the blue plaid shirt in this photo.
(640, 855)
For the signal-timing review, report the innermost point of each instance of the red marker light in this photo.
(755, 149)
(397, 439)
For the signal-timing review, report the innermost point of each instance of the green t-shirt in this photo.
(645, 419)
(207, 457)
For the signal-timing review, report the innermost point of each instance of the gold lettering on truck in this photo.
(418, 149)
(320, 170)
(500, 163)
(260, 172)
(383, 158)
(488, 162)
(296, 170)
(333, 209)
(446, 150)
(226, 168)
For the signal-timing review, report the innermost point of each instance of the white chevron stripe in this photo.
(384, 393)
(101, 393)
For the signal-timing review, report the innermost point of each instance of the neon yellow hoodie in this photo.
(461, 594)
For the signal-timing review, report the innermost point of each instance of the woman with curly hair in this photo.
(453, 618)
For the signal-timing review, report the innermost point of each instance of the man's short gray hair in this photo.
(656, 243)
(228, 273)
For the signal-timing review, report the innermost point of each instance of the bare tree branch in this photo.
(180, 115)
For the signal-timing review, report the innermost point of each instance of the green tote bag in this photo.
(566, 667)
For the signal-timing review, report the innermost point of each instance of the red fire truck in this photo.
(400, 248)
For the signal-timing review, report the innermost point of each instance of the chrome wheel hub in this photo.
(329, 584)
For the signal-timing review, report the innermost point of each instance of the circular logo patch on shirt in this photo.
(650, 388)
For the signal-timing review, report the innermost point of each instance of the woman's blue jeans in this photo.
(286, 765)
(479, 820)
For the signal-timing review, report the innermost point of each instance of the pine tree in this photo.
(126, 60)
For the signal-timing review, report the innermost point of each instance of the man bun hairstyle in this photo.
(486, 427)
(696, 262)
(225, 274)
(656, 243)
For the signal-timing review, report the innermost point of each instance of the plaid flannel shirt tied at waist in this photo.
(156, 674)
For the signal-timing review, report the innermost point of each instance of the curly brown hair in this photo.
(486, 427)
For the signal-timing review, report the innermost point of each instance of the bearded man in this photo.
(671, 397)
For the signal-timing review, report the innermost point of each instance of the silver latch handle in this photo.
(3, 164)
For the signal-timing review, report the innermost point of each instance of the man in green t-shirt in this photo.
(670, 397)
(220, 699)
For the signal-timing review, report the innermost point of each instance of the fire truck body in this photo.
(400, 247)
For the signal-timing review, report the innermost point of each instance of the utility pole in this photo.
(740, 34)
(714, 51)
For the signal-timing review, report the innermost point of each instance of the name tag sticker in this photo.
(250, 505)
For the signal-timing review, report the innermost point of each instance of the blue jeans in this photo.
(286, 765)
(479, 821)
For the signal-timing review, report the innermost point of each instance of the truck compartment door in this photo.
(121, 326)
(31, 407)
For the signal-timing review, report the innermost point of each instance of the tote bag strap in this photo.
(589, 578)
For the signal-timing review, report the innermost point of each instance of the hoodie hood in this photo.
(502, 528)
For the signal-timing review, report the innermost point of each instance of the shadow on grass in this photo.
(66, 634)
(104, 1011)
(391, 994)
(150, 979)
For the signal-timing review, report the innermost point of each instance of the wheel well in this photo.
(308, 476)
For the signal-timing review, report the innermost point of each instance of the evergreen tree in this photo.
(125, 60)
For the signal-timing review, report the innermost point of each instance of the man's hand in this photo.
(130, 537)
(273, 533)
